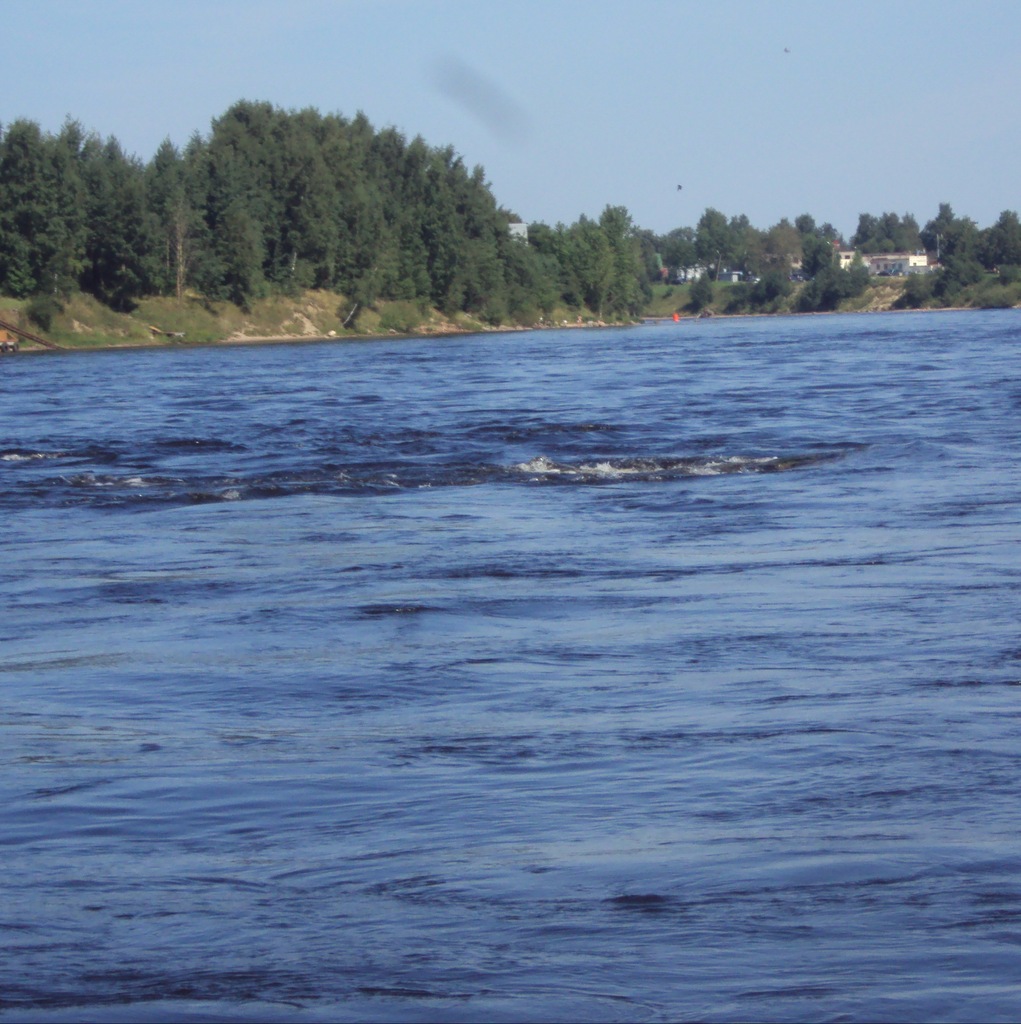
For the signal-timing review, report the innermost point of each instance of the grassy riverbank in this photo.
(84, 323)
(883, 293)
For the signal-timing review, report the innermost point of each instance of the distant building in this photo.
(518, 230)
(887, 264)
(897, 264)
(684, 275)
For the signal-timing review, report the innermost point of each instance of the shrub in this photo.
(830, 286)
(41, 309)
(404, 317)
(956, 275)
(993, 294)
(917, 292)
(770, 290)
(700, 294)
(738, 298)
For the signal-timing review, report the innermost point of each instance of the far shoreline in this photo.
(449, 331)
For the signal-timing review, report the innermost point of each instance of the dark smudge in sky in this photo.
(482, 98)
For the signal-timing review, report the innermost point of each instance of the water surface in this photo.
(662, 673)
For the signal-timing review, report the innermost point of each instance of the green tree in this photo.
(29, 210)
(956, 274)
(678, 249)
(806, 225)
(590, 263)
(887, 233)
(817, 255)
(714, 241)
(118, 243)
(625, 294)
(66, 258)
(781, 247)
(748, 246)
(306, 245)
(831, 285)
(241, 255)
(200, 266)
(951, 236)
(176, 222)
(1001, 244)
(530, 282)
(957, 242)
(770, 290)
(649, 254)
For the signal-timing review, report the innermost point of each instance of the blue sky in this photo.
(571, 105)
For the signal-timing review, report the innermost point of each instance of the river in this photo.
(645, 674)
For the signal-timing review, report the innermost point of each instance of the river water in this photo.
(662, 673)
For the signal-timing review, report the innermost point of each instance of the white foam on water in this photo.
(29, 456)
(540, 464)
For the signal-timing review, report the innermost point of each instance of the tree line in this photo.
(964, 252)
(281, 201)
(275, 201)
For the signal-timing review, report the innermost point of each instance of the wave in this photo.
(646, 468)
(139, 486)
(27, 455)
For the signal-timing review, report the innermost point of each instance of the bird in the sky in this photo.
(679, 187)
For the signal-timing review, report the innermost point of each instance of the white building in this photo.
(897, 264)
(688, 274)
